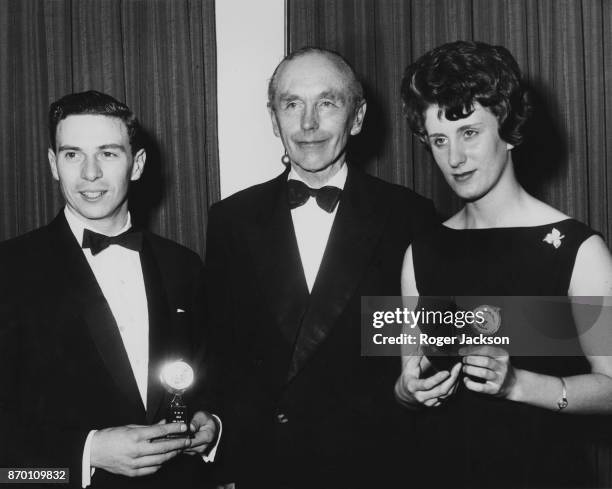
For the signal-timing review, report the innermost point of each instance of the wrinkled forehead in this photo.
(310, 75)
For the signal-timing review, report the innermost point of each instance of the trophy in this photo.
(176, 377)
(491, 322)
(446, 356)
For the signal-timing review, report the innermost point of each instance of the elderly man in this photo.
(288, 262)
(90, 310)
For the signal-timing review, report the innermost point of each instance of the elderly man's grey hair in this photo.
(355, 88)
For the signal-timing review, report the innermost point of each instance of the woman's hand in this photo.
(492, 365)
(414, 389)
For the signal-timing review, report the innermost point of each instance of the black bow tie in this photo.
(298, 192)
(97, 242)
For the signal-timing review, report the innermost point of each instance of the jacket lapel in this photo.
(159, 329)
(356, 230)
(277, 261)
(83, 287)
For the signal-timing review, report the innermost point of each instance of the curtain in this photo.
(159, 56)
(564, 48)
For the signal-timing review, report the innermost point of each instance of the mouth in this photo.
(464, 176)
(92, 195)
(311, 144)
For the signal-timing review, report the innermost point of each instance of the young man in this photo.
(90, 311)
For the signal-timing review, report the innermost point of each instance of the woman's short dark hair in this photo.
(456, 75)
(94, 103)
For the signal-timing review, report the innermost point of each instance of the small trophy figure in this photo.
(491, 322)
(176, 377)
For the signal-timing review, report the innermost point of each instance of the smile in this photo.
(92, 195)
(308, 144)
(463, 177)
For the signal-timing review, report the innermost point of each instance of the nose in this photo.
(310, 118)
(91, 169)
(456, 154)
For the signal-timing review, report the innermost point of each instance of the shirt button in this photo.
(281, 418)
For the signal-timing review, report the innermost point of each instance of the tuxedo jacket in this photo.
(302, 407)
(63, 367)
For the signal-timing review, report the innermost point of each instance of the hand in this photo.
(133, 451)
(429, 391)
(205, 429)
(492, 364)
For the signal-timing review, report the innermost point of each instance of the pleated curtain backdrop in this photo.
(159, 56)
(564, 48)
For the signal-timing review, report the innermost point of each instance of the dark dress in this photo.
(477, 440)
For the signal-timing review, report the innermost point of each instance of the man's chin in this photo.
(314, 165)
(92, 212)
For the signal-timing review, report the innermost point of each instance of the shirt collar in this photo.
(77, 226)
(338, 180)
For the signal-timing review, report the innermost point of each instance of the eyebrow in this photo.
(459, 129)
(64, 147)
(113, 146)
(104, 146)
(469, 126)
(331, 94)
(287, 96)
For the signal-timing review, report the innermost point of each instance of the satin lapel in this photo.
(277, 261)
(83, 287)
(353, 238)
(160, 327)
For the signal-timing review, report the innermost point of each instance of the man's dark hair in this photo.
(456, 75)
(95, 103)
(354, 85)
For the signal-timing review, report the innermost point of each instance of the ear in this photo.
(139, 162)
(275, 127)
(53, 163)
(358, 120)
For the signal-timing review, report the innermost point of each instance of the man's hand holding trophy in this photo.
(176, 377)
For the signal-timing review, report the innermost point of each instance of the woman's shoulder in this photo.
(540, 213)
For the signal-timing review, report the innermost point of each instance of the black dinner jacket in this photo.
(302, 407)
(63, 367)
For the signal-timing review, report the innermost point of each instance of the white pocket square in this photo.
(180, 310)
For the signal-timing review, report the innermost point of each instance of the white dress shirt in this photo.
(119, 274)
(312, 226)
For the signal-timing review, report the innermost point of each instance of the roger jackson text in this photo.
(424, 339)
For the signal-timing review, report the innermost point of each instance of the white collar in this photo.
(338, 180)
(77, 226)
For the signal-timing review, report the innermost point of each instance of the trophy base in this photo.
(186, 434)
(171, 436)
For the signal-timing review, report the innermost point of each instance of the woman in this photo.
(499, 421)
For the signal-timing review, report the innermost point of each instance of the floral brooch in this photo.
(554, 238)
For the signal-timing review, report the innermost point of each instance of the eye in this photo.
(109, 155)
(291, 105)
(327, 104)
(470, 133)
(438, 141)
(71, 155)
